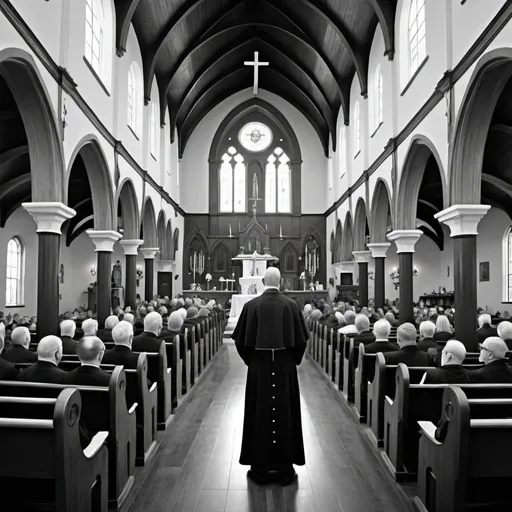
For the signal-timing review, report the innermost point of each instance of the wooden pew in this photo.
(350, 354)
(338, 360)
(185, 361)
(174, 362)
(470, 469)
(52, 453)
(363, 373)
(104, 408)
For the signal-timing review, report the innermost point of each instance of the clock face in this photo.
(255, 137)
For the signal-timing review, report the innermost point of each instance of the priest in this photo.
(270, 337)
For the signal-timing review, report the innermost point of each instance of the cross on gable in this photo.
(256, 63)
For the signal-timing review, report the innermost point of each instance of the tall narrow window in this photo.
(270, 185)
(132, 91)
(14, 273)
(232, 182)
(357, 129)
(283, 185)
(239, 181)
(94, 21)
(153, 130)
(278, 183)
(507, 265)
(378, 98)
(417, 40)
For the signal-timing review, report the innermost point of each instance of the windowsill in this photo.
(134, 134)
(99, 80)
(357, 154)
(414, 75)
(376, 129)
(16, 306)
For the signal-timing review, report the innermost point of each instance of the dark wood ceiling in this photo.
(195, 49)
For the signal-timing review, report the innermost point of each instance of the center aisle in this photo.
(196, 466)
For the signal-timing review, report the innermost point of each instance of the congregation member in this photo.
(381, 330)
(121, 354)
(67, 334)
(315, 315)
(364, 335)
(90, 351)
(390, 317)
(485, 329)
(444, 330)
(149, 340)
(174, 324)
(138, 326)
(493, 353)
(128, 317)
(90, 327)
(105, 334)
(427, 341)
(49, 354)
(7, 370)
(451, 371)
(409, 352)
(19, 351)
(349, 317)
(505, 333)
(191, 318)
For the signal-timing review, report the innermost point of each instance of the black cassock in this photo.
(270, 337)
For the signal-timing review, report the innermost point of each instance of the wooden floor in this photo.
(196, 467)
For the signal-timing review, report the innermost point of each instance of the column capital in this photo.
(462, 219)
(103, 240)
(405, 239)
(130, 246)
(49, 217)
(149, 253)
(362, 256)
(379, 250)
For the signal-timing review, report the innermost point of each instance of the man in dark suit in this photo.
(7, 370)
(67, 334)
(49, 353)
(90, 352)
(485, 328)
(149, 340)
(505, 333)
(122, 354)
(138, 326)
(409, 352)
(365, 336)
(19, 352)
(451, 371)
(381, 331)
(192, 317)
(174, 324)
(427, 330)
(105, 335)
(493, 353)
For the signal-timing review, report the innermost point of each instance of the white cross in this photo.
(256, 63)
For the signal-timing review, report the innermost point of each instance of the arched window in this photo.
(232, 182)
(507, 265)
(14, 273)
(417, 40)
(357, 129)
(378, 85)
(94, 34)
(278, 179)
(153, 130)
(134, 103)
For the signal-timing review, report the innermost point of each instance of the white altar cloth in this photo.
(237, 304)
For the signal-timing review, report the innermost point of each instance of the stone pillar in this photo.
(362, 258)
(104, 242)
(149, 259)
(405, 241)
(463, 219)
(130, 253)
(48, 218)
(379, 251)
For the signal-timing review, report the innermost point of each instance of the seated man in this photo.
(191, 318)
(174, 324)
(409, 352)
(350, 328)
(381, 331)
(128, 317)
(505, 333)
(7, 370)
(122, 354)
(390, 317)
(451, 371)
(67, 333)
(485, 329)
(493, 352)
(149, 340)
(427, 330)
(105, 335)
(49, 354)
(90, 327)
(90, 352)
(139, 321)
(19, 352)
(365, 336)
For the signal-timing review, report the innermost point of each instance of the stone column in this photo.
(362, 258)
(130, 253)
(48, 218)
(149, 259)
(405, 241)
(379, 251)
(463, 219)
(104, 242)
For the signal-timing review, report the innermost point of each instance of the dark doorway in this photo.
(164, 284)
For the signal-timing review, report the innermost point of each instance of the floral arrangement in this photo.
(208, 277)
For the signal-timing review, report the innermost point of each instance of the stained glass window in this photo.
(255, 137)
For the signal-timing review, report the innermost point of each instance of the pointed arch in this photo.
(347, 244)
(338, 241)
(381, 212)
(161, 234)
(148, 227)
(175, 243)
(221, 257)
(128, 209)
(169, 253)
(332, 247)
(360, 225)
(311, 231)
(289, 258)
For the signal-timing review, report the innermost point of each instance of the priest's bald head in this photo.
(272, 277)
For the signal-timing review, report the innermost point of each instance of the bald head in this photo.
(175, 321)
(111, 321)
(128, 317)
(272, 277)
(362, 323)
(21, 336)
(67, 328)
(50, 349)
(153, 323)
(454, 352)
(406, 334)
(505, 330)
(90, 350)
(122, 333)
(493, 349)
(90, 327)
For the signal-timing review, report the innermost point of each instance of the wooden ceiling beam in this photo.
(124, 15)
(386, 12)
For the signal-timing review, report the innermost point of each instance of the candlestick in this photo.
(280, 231)
(230, 235)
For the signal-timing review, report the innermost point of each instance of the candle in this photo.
(230, 230)
(280, 231)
